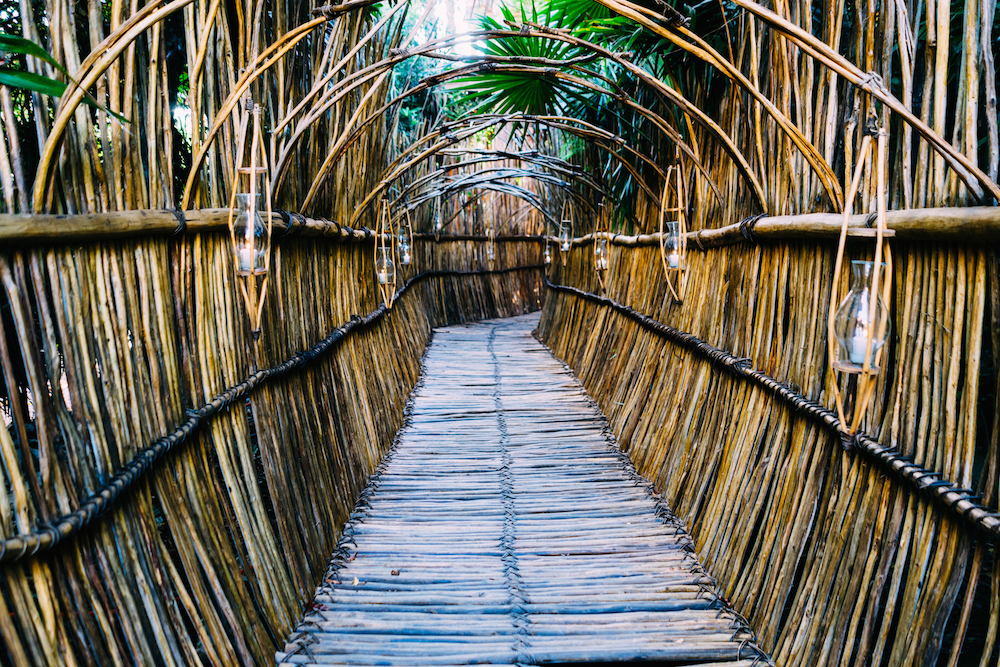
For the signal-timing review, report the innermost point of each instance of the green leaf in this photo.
(15, 44)
(37, 82)
(34, 82)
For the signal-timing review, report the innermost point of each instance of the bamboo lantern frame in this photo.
(385, 234)
(491, 244)
(880, 282)
(409, 237)
(601, 234)
(680, 210)
(567, 217)
(254, 293)
(437, 220)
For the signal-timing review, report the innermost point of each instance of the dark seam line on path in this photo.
(52, 533)
(974, 515)
(512, 574)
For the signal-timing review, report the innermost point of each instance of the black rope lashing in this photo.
(181, 221)
(978, 517)
(698, 242)
(517, 597)
(48, 535)
(747, 225)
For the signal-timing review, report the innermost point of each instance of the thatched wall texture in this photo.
(210, 559)
(832, 562)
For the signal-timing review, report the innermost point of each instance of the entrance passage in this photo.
(506, 528)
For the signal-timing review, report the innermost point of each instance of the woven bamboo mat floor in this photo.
(505, 528)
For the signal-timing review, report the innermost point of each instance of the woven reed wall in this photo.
(833, 563)
(211, 558)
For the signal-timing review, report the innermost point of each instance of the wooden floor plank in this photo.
(506, 528)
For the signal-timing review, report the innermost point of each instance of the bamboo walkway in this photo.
(506, 528)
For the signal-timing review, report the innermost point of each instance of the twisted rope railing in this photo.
(960, 501)
(51, 534)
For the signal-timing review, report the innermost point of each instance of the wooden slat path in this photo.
(505, 528)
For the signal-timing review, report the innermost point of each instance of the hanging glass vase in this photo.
(601, 253)
(385, 272)
(672, 245)
(405, 256)
(249, 236)
(854, 325)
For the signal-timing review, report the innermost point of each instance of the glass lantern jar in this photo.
(853, 325)
(250, 236)
(547, 255)
(385, 272)
(565, 240)
(405, 252)
(672, 245)
(601, 253)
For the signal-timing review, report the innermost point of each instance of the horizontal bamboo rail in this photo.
(956, 499)
(44, 228)
(973, 224)
(426, 236)
(124, 479)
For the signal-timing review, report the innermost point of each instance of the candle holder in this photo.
(249, 236)
(249, 232)
(566, 231)
(384, 260)
(601, 255)
(858, 333)
(859, 327)
(673, 233)
(405, 242)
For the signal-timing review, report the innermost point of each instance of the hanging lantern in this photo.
(405, 250)
(673, 233)
(601, 245)
(438, 224)
(547, 255)
(385, 268)
(859, 328)
(565, 237)
(856, 322)
(601, 253)
(491, 245)
(249, 236)
(566, 231)
(249, 230)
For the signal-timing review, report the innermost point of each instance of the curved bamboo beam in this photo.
(98, 62)
(495, 156)
(263, 63)
(527, 196)
(702, 118)
(702, 50)
(973, 177)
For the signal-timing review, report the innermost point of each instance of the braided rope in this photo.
(512, 573)
(47, 536)
(978, 518)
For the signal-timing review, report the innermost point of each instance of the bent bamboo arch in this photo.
(444, 172)
(96, 64)
(494, 185)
